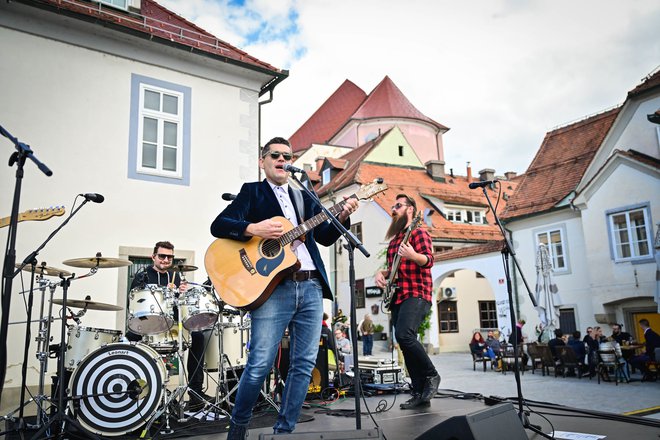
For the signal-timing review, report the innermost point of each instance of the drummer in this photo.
(160, 274)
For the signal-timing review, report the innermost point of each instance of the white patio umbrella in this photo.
(547, 294)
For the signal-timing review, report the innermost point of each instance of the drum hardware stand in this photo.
(61, 415)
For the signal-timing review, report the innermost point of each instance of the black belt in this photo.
(304, 275)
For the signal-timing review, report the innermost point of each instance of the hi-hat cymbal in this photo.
(87, 304)
(45, 270)
(97, 261)
(184, 268)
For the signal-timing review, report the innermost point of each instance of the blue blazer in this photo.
(256, 202)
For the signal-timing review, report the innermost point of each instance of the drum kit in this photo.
(112, 386)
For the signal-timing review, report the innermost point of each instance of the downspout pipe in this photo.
(269, 87)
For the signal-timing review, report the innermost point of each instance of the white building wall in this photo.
(71, 104)
(625, 185)
(573, 285)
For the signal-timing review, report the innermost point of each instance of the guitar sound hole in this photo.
(270, 248)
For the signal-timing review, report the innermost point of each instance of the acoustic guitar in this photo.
(35, 214)
(246, 273)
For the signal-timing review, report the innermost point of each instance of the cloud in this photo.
(499, 73)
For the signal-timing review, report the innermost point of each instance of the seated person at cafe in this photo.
(578, 346)
(652, 342)
(557, 341)
(620, 336)
(494, 343)
(478, 346)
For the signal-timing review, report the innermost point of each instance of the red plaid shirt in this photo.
(413, 281)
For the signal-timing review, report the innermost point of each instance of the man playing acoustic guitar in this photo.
(412, 298)
(296, 302)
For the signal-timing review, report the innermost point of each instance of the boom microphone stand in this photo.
(353, 243)
(22, 153)
(507, 251)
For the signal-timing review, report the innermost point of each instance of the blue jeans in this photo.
(367, 344)
(298, 306)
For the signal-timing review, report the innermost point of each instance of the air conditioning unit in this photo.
(449, 292)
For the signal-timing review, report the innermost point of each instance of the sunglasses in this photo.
(165, 256)
(398, 205)
(276, 155)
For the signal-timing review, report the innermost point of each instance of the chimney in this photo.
(510, 175)
(436, 169)
(486, 174)
(469, 172)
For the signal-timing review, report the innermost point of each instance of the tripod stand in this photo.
(507, 251)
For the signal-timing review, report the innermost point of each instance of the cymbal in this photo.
(45, 270)
(184, 268)
(86, 304)
(97, 261)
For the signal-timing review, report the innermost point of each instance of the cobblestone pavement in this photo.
(457, 374)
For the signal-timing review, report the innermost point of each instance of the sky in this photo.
(499, 73)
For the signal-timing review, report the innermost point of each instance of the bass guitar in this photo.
(245, 273)
(391, 286)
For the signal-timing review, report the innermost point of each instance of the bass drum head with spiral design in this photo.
(117, 388)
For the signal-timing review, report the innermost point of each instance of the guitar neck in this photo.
(290, 236)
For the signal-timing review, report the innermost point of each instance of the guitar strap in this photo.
(300, 204)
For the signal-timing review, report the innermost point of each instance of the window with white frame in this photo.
(630, 233)
(159, 147)
(554, 240)
(466, 215)
(120, 4)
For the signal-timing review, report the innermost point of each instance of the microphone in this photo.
(93, 197)
(292, 169)
(228, 197)
(137, 389)
(475, 185)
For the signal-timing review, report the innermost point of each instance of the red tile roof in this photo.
(157, 22)
(559, 165)
(387, 101)
(332, 114)
(417, 182)
(479, 249)
(650, 81)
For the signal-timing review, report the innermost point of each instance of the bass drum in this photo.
(117, 388)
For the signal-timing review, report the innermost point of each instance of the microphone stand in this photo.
(353, 243)
(32, 259)
(507, 251)
(22, 153)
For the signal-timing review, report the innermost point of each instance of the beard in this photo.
(397, 225)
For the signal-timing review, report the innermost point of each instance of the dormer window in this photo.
(471, 215)
(326, 175)
(119, 4)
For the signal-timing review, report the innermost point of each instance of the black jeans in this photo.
(195, 364)
(406, 319)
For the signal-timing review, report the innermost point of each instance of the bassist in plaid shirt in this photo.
(412, 299)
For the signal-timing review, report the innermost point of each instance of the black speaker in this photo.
(499, 421)
(356, 434)
(319, 380)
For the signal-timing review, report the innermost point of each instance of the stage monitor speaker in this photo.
(357, 434)
(499, 421)
(319, 381)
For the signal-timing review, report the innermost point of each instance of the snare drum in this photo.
(117, 388)
(150, 309)
(232, 346)
(83, 340)
(199, 309)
